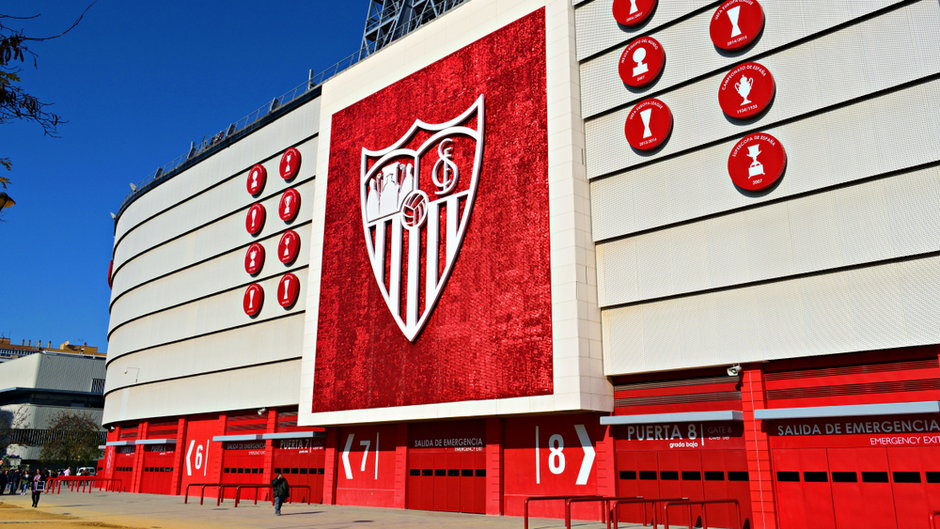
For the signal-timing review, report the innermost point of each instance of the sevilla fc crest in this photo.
(417, 196)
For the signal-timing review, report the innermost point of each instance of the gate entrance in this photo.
(699, 461)
(158, 469)
(868, 472)
(447, 467)
(301, 461)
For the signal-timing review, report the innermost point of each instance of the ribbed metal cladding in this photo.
(678, 399)
(886, 367)
(843, 390)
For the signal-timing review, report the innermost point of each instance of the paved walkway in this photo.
(156, 511)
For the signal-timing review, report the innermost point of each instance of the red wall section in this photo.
(366, 467)
(202, 458)
(547, 456)
(495, 311)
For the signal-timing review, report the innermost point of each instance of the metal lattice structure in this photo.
(388, 20)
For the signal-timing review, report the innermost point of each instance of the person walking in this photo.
(281, 492)
(38, 486)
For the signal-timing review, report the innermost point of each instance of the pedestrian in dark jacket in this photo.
(38, 485)
(281, 492)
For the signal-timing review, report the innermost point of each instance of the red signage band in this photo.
(642, 62)
(757, 162)
(254, 259)
(253, 299)
(632, 13)
(746, 90)
(287, 290)
(736, 23)
(288, 247)
(290, 163)
(289, 205)
(648, 124)
(254, 219)
(257, 177)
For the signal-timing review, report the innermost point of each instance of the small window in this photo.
(295, 471)
(669, 475)
(737, 475)
(648, 475)
(240, 471)
(874, 477)
(439, 472)
(933, 477)
(691, 475)
(414, 472)
(480, 472)
(466, 472)
(714, 475)
(303, 471)
(277, 471)
(628, 474)
(907, 477)
(844, 477)
(453, 472)
(319, 471)
(427, 472)
(815, 477)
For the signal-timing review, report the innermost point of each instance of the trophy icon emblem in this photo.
(733, 15)
(645, 116)
(633, 7)
(744, 86)
(756, 168)
(641, 67)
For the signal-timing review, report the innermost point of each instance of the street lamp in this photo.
(5, 201)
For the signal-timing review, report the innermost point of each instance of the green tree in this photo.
(15, 102)
(73, 440)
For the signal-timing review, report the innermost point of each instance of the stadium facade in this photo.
(554, 248)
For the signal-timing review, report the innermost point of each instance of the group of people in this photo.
(17, 481)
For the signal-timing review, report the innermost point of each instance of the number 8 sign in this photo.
(556, 460)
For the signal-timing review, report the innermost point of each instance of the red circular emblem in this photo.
(642, 62)
(288, 247)
(257, 176)
(633, 12)
(253, 299)
(736, 24)
(254, 259)
(756, 162)
(254, 220)
(287, 290)
(290, 163)
(289, 205)
(648, 124)
(746, 91)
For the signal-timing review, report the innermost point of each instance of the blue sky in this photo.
(137, 82)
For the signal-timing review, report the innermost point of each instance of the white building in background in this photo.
(36, 388)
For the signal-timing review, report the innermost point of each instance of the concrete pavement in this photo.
(155, 511)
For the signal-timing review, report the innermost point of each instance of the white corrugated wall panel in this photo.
(597, 30)
(690, 52)
(215, 275)
(219, 312)
(268, 385)
(868, 138)
(269, 341)
(827, 71)
(877, 220)
(266, 142)
(227, 202)
(885, 306)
